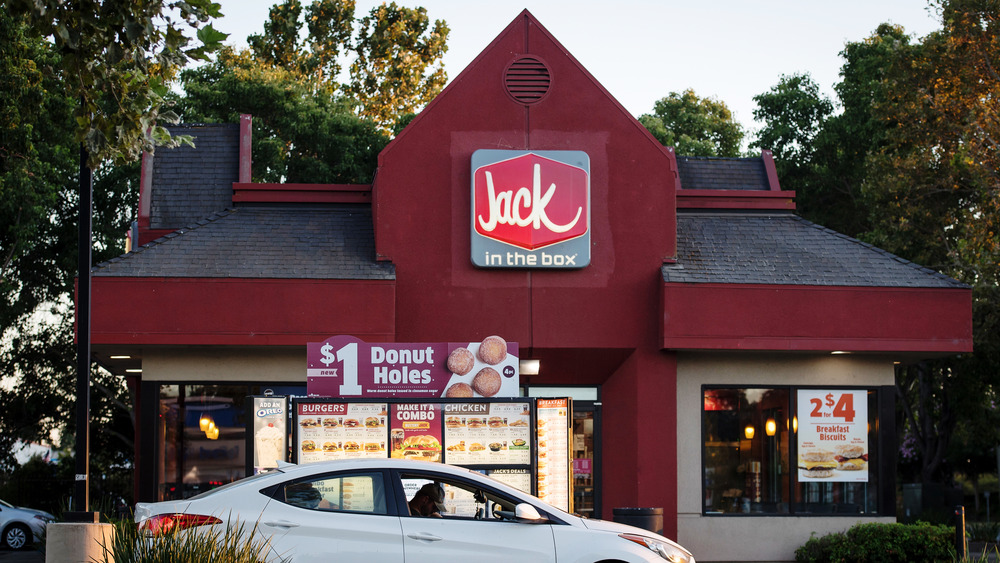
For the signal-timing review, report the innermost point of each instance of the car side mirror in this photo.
(525, 512)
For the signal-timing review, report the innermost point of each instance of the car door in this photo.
(460, 536)
(343, 516)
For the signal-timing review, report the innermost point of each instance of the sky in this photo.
(642, 50)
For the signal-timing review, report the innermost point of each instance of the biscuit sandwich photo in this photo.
(817, 463)
(850, 457)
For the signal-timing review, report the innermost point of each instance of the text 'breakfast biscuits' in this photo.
(493, 350)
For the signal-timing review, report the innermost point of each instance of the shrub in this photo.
(216, 545)
(982, 531)
(875, 542)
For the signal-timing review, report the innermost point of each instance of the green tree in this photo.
(39, 166)
(935, 183)
(795, 115)
(823, 155)
(302, 132)
(694, 126)
(397, 55)
(116, 59)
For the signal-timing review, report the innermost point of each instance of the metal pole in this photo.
(81, 495)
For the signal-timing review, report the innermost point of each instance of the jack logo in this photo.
(530, 201)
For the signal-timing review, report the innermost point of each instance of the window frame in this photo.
(276, 492)
(882, 438)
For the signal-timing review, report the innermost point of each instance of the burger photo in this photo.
(476, 422)
(371, 446)
(817, 463)
(329, 422)
(850, 457)
(308, 446)
(495, 422)
(309, 422)
(372, 422)
(422, 446)
(352, 447)
(351, 423)
(453, 422)
(476, 447)
(330, 447)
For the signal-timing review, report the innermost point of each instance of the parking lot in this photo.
(21, 556)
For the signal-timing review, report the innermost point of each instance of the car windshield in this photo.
(242, 481)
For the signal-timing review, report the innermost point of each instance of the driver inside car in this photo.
(428, 501)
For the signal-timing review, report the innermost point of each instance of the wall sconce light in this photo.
(795, 424)
(205, 421)
(213, 432)
(749, 431)
(770, 427)
(529, 367)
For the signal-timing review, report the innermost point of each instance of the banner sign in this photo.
(530, 209)
(833, 435)
(345, 366)
(269, 431)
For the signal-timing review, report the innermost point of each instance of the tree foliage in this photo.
(39, 164)
(116, 59)
(935, 181)
(397, 55)
(913, 157)
(694, 126)
(302, 132)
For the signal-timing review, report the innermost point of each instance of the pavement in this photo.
(30, 555)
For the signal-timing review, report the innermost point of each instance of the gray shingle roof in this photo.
(190, 183)
(782, 248)
(263, 242)
(712, 173)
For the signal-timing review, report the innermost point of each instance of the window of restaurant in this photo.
(791, 450)
(201, 436)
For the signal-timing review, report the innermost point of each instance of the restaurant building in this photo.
(715, 344)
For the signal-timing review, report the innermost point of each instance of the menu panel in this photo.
(554, 482)
(341, 431)
(416, 431)
(487, 433)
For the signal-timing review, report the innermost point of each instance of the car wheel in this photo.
(16, 536)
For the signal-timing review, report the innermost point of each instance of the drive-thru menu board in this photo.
(498, 437)
(833, 435)
(554, 477)
(340, 431)
(487, 433)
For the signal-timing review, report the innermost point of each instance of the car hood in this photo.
(616, 528)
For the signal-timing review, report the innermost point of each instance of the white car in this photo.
(359, 510)
(21, 526)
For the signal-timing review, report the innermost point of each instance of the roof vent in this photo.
(527, 80)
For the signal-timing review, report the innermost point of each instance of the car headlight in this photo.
(44, 519)
(668, 551)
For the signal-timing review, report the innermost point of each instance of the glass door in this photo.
(586, 497)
